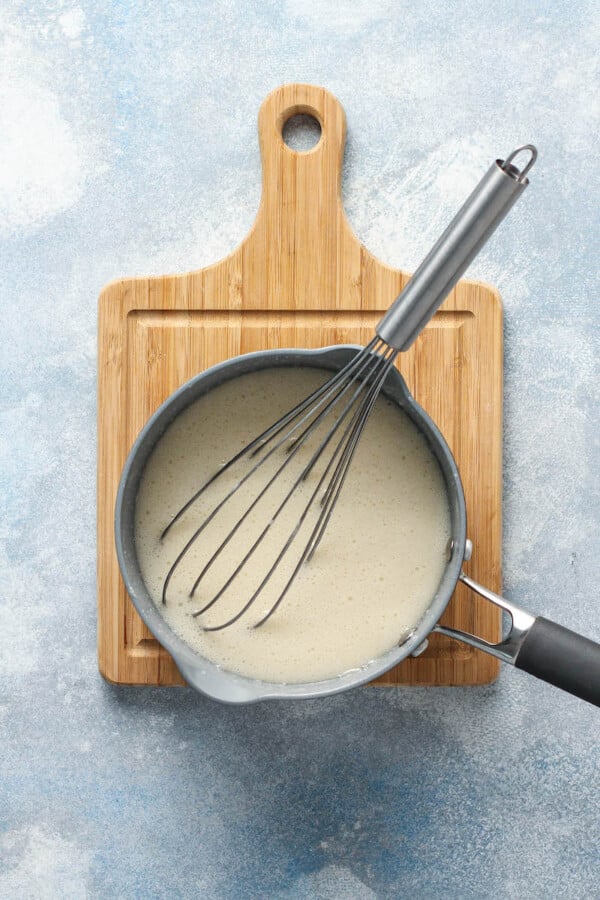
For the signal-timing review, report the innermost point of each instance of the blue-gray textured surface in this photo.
(128, 146)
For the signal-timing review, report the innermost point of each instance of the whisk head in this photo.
(334, 416)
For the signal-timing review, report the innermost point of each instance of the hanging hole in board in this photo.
(301, 132)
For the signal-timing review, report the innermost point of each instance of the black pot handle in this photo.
(540, 647)
(563, 658)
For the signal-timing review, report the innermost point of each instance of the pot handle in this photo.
(540, 647)
(563, 658)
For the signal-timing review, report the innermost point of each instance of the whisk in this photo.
(344, 403)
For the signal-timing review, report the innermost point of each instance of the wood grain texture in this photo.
(301, 278)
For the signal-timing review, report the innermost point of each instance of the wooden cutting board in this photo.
(301, 278)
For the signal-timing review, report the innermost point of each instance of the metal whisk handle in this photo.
(477, 219)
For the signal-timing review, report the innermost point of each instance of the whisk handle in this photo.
(462, 240)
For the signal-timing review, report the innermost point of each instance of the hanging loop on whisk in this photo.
(510, 169)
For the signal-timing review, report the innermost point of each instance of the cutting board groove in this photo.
(300, 278)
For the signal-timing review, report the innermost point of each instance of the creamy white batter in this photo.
(373, 575)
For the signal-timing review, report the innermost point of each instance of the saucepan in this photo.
(532, 643)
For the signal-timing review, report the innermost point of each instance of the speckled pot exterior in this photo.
(200, 672)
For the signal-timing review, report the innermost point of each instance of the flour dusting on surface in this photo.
(41, 863)
(42, 162)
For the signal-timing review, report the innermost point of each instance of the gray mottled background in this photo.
(128, 146)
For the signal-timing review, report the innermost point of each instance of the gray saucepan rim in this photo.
(201, 673)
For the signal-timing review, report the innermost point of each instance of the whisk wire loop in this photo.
(298, 442)
(343, 454)
(322, 394)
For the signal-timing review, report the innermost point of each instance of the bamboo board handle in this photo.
(301, 235)
(299, 185)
